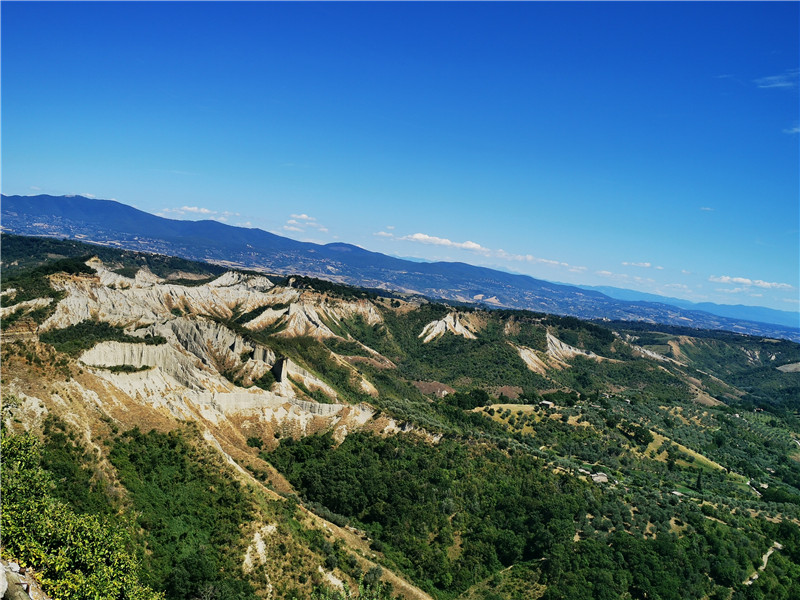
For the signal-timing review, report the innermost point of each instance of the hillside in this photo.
(250, 435)
(114, 224)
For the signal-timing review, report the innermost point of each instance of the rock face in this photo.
(146, 300)
(185, 370)
(307, 315)
(563, 352)
(286, 370)
(205, 371)
(26, 306)
(451, 323)
(532, 360)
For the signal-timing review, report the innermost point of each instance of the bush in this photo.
(78, 556)
(75, 339)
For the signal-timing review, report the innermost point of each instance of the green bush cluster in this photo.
(75, 339)
(190, 507)
(78, 556)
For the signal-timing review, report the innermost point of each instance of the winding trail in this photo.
(764, 559)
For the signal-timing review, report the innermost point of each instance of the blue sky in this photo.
(651, 146)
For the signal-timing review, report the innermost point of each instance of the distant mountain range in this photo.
(111, 223)
(759, 314)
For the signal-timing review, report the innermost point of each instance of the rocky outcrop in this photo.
(146, 300)
(26, 306)
(310, 315)
(217, 346)
(562, 352)
(286, 370)
(256, 554)
(791, 368)
(532, 359)
(186, 371)
(451, 323)
(254, 282)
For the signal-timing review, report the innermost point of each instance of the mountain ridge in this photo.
(109, 222)
(761, 314)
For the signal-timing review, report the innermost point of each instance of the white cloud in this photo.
(298, 222)
(36, 188)
(750, 282)
(792, 130)
(738, 290)
(390, 227)
(707, 208)
(785, 80)
(424, 238)
(659, 268)
(612, 275)
(791, 300)
(185, 211)
(677, 286)
(385, 234)
(645, 265)
(685, 272)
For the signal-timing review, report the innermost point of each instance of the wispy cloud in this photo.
(730, 77)
(36, 188)
(786, 80)
(792, 130)
(190, 211)
(385, 234)
(197, 209)
(750, 282)
(707, 208)
(300, 222)
(424, 238)
(645, 265)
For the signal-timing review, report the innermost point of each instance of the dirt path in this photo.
(764, 559)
